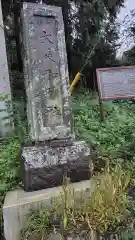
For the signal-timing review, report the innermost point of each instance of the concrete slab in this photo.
(18, 204)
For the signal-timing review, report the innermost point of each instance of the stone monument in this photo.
(5, 91)
(54, 151)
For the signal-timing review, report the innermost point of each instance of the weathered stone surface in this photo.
(5, 91)
(44, 166)
(18, 204)
(46, 72)
(49, 111)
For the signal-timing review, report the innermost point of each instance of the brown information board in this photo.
(116, 83)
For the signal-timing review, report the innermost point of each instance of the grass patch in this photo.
(9, 170)
(9, 164)
(115, 137)
(10, 174)
(106, 210)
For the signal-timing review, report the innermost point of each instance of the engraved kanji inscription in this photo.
(46, 72)
(46, 60)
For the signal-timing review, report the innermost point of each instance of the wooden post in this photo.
(102, 117)
(94, 81)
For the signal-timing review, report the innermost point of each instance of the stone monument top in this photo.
(46, 72)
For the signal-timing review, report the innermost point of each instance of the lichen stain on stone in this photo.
(41, 156)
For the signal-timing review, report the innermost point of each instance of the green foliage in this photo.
(128, 36)
(10, 149)
(129, 56)
(115, 136)
(9, 164)
(38, 225)
(10, 153)
(127, 236)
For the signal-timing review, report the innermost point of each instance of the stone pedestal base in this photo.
(44, 166)
(18, 204)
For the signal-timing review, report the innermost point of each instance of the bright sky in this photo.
(129, 5)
